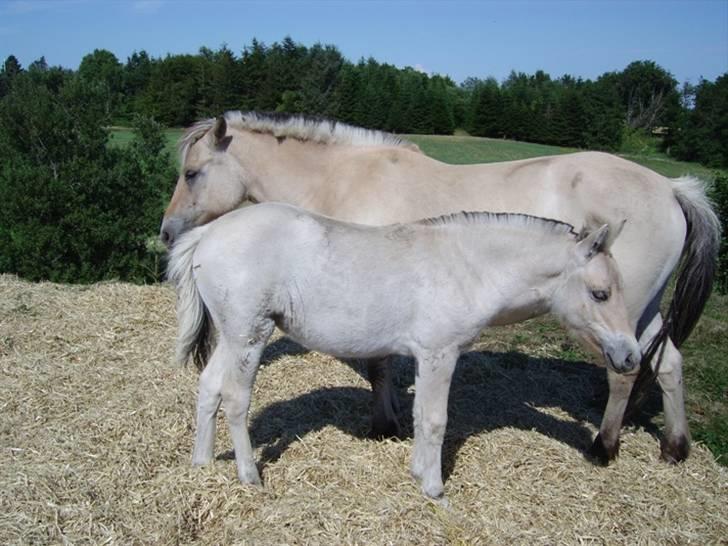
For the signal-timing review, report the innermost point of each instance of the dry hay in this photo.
(97, 430)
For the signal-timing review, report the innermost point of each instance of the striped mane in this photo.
(298, 126)
(524, 221)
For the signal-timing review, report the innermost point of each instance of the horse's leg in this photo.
(208, 402)
(385, 405)
(675, 444)
(606, 444)
(432, 388)
(236, 393)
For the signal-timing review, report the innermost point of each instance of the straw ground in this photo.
(97, 428)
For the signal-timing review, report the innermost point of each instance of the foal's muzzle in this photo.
(622, 354)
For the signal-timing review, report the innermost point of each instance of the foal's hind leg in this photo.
(385, 405)
(208, 402)
(236, 393)
(432, 389)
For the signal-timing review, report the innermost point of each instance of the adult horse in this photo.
(370, 177)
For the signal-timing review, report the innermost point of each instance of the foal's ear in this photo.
(593, 243)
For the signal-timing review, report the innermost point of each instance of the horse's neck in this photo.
(519, 273)
(285, 170)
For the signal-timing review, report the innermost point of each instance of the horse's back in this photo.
(582, 189)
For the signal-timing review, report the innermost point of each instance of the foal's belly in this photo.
(346, 339)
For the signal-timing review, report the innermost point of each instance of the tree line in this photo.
(74, 209)
(644, 98)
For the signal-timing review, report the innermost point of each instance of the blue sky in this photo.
(458, 38)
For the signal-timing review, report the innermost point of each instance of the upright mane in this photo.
(525, 221)
(301, 127)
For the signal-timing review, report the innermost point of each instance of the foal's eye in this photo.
(190, 175)
(600, 295)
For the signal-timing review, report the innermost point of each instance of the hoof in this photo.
(600, 454)
(250, 477)
(674, 450)
(435, 491)
(382, 429)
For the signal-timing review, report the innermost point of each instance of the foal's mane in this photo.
(298, 126)
(524, 221)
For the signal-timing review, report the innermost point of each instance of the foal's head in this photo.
(210, 184)
(590, 302)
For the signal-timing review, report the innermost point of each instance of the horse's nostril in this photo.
(166, 237)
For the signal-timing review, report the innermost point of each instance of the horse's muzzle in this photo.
(170, 231)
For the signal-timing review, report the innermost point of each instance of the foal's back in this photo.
(344, 289)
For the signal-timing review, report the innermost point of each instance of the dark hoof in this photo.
(674, 451)
(385, 429)
(599, 454)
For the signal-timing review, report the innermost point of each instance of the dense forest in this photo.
(179, 89)
(74, 209)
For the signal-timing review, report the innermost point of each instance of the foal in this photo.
(424, 289)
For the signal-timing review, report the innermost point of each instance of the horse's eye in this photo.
(600, 295)
(190, 175)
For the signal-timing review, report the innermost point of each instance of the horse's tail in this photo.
(194, 329)
(699, 261)
(694, 279)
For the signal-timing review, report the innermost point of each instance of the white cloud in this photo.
(24, 6)
(147, 6)
(21, 7)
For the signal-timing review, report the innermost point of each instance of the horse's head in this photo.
(590, 302)
(211, 181)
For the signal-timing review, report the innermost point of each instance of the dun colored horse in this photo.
(374, 178)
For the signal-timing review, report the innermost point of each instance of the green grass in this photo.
(467, 149)
(706, 374)
(122, 136)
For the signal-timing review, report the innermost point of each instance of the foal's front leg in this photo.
(432, 388)
(606, 444)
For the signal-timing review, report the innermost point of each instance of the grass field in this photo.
(706, 374)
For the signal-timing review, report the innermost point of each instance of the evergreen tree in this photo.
(11, 68)
(702, 132)
(443, 122)
(252, 74)
(486, 110)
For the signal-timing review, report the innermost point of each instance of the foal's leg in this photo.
(384, 400)
(675, 444)
(208, 402)
(236, 393)
(606, 444)
(432, 388)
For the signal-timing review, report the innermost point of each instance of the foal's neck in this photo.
(520, 272)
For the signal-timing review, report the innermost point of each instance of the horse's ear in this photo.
(593, 243)
(219, 129)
